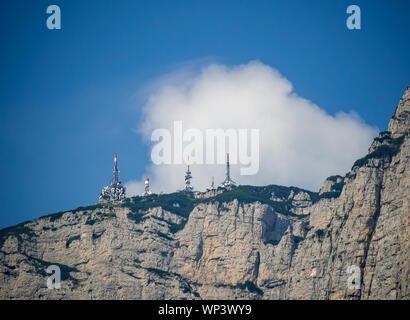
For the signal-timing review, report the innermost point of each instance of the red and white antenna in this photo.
(146, 189)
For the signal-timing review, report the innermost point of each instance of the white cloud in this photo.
(300, 144)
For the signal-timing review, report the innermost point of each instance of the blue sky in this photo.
(70, 98)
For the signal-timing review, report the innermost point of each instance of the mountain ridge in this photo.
(270, 242)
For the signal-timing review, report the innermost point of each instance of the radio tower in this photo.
(188, 187)
(146, 190)
(115, 191)
(212, 187)
(116, 173)
(228, 182)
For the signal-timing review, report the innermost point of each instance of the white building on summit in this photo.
(115, 191)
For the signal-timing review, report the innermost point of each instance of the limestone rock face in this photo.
(294, 245)
(330, 184)
(301, 203)
(400, 122)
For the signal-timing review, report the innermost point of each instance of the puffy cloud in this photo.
(300, 144)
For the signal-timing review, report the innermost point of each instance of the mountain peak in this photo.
(400, 122)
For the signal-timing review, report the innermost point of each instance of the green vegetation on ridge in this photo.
(182, 204)
(388, 150)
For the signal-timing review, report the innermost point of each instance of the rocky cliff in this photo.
(268, 242)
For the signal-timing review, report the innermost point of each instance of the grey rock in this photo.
(231, 249)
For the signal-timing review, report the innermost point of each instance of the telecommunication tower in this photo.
(188, 176)
(115, 191)
(146, 192)
(228, 182)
